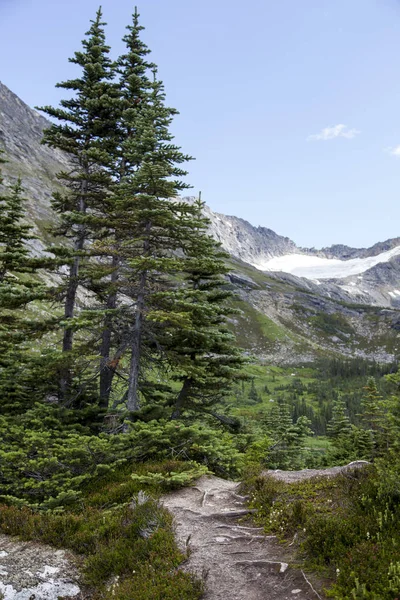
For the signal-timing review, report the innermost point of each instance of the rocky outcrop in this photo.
(30, 570)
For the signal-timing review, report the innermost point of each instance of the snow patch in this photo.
(314, 267)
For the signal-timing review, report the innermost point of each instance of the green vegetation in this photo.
(256, 331)
(332, 324)
(123, 535)
(121, 379)
(346, 526)
(114, 373)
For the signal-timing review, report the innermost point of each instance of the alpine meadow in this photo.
(190, 407)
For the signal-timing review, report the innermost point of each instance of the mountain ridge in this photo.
(283, 317)
(21, 130)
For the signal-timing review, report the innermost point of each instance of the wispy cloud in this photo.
(332, 132)
(394, 151)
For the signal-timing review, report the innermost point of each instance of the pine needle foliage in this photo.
(85, 125)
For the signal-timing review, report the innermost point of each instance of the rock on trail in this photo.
(294, 476)
(238, 562)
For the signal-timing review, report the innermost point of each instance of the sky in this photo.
(291, 108)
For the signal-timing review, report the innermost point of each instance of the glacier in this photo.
(316, 267)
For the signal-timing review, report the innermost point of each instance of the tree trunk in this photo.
(181, 399)
(70, 298)
(107, 370)
(133, 403)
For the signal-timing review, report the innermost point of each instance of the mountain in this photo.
(362, 275)
(295, 303)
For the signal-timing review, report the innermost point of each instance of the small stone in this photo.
(283, 568)
(297, 591)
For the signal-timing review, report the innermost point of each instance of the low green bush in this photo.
(128, 551)
(346, 526)
(47, 463)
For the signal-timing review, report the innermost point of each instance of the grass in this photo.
(255, 331)
(270, 382)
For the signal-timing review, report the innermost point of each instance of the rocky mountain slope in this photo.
(365, 275)
(295, 303)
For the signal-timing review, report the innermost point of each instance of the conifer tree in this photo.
(151, 229)
(15, 291)
(371, 405)
(340, 423)
(253, 394)
(195, 338)
(374, 417)
(85, 130)
(288, 437)
(18, 287)
(14, 255)
(134, 86)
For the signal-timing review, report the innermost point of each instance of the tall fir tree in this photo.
(287, 437)
(339, 425)
(151, 228)
(134, 86)
(196, 341)
(19, 286)
(85, 130)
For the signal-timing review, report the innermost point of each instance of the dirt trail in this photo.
(240, 563)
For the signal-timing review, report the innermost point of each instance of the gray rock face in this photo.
(346, 252)
(254, 244)
(244, 241)
(290, 303)
(29, 570)
(21, 130)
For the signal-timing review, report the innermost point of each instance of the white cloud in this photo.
(332, 132)
(394, 151)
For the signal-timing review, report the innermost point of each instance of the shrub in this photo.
(46, 463)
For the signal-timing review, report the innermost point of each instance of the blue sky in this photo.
(292, 109)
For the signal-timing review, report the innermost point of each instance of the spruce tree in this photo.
(19, 286)
(151, 229)
(133, 86)
(195, 338)
(85, 130)
(374, 418)
(253, 394)
(288, 437)
(339, 425)
(371, 405)
(14, 255)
